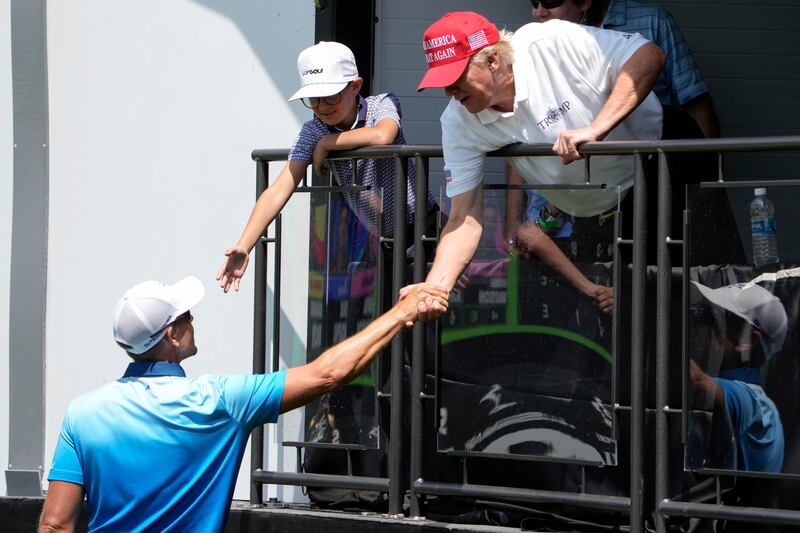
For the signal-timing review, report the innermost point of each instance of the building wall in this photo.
(154, 109)
(6, 197)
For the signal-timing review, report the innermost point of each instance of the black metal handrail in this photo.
(634, 504)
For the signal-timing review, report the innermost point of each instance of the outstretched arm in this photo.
(61, 508)
(634, 83)
(459, 240)
(266, 209)
(339, 365)
(457, 245)
(532, 240)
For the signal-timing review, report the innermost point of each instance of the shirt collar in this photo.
(361, 116)
(153, 369)
(615, 15)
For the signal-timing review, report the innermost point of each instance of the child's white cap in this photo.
(325, 69)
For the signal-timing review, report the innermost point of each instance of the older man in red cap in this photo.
(557, 83)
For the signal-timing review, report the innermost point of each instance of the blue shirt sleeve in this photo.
(66, 463)
(303, 147)
(736, 402)
(680, 74)
(253, 399)
(387, 107)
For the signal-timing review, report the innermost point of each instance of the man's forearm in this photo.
(547, 250)
(459, 240)
(456, 248)
(634, 83)
(340, 364)
(352, 356)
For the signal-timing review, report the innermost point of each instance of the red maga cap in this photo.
(450, 41)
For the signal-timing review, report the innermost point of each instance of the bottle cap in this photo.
(761, 191)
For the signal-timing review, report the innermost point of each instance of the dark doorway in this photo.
(352, 23)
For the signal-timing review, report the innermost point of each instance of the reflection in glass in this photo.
(343, 299)
(744, 326)
(525, 357)
(743, 371)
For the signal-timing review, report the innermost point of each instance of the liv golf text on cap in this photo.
(325, 69)
(448, 44)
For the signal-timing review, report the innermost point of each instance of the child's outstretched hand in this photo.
(232, 270)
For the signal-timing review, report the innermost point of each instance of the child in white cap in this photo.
(343, 120)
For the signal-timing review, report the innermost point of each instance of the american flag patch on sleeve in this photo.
(448, 176)
(477, 40)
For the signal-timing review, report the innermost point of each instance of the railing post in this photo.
(638, 345)
(418, 346)
(276, 296)
(396, 379)
(259, 334)
(663, 327)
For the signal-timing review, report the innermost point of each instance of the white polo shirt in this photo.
(563, 76)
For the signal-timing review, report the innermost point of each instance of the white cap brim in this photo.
(720, 298)
(189, 292)
(319, 90)
(762, 309)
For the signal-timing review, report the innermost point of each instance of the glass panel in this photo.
(343, 299)
(526, 367)
(743, 369)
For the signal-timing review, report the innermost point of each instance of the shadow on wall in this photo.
(272, 31)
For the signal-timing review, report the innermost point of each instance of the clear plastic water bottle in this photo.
(762, 223)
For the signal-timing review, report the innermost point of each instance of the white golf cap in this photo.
(756, 305)
(325, 69)
(145, 310)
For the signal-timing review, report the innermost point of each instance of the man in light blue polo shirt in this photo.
(157, 451)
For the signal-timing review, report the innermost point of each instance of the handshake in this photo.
(421, 302)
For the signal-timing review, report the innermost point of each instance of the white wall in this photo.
(154, 109)
(6, 198)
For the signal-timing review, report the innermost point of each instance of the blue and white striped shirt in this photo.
(680, 81)
(378, 174)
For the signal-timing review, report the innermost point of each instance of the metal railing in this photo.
(634, 505)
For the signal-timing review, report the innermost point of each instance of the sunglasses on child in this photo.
(312, 102)
(547, 4)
